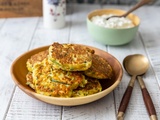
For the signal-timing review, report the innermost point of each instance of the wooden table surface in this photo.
(18, 35)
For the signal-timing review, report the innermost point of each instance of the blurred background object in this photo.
(30, 8)
(54, 13)
(20, 8)
(120, 2)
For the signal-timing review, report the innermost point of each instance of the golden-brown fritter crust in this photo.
(100, 68)
(30, 80)
(70, 57)
(39, 57)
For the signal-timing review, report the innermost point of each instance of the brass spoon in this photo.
(139, 4)
(136, 65)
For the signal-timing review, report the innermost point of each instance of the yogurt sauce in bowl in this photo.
(115, 22)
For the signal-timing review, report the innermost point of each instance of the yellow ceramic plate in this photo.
(19, 71)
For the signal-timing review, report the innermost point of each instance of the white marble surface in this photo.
(18, 35)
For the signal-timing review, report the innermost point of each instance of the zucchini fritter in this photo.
(70, 57)
(93, 86)
(100, 68)
(52, 82)
(39, 57)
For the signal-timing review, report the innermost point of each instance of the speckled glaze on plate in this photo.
(19, 71)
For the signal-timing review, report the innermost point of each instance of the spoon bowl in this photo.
(136, 64)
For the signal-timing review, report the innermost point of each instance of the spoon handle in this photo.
(139, 4)
(147, 99)
(125, 99)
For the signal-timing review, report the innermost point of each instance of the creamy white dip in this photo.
(114, 22)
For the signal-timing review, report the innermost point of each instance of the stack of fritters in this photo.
(62, 71)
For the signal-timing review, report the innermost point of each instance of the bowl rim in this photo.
(99, 10)
(60, 99)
